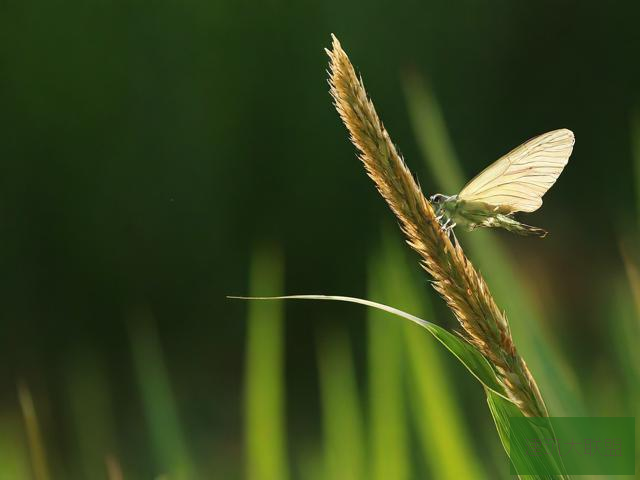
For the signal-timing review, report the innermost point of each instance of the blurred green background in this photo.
(157, 156)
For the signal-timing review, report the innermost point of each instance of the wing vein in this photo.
(518, 180)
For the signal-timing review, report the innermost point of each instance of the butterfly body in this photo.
(514, 183)
(472, 215)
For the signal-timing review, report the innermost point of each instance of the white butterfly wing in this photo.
(517, 181)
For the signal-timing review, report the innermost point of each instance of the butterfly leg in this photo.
(455, 239)
(450, 228)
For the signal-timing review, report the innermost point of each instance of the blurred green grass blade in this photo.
(635, 144)
(629, 329)
(630, 317)
(555, 379)
(431, 134)
(344, 438)
(388, 422)
(89, 399)
(34, 435)
(264, 396)
(626, 337)
(14, 453)
(113, 467)
(310, 463)
(167, 437)
(444, 437)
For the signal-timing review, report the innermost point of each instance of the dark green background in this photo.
(147, 147)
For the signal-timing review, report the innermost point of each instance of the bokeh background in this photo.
(158, 156)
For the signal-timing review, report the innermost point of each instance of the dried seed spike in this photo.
(454, 277)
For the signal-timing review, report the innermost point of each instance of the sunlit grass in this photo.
(342, 422)
(14, 453)
(635, 150)
(264, 397)
(37, 450)
(389, 437)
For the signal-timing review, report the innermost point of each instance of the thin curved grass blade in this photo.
(471, 358)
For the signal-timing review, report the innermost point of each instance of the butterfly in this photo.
(514, 183)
